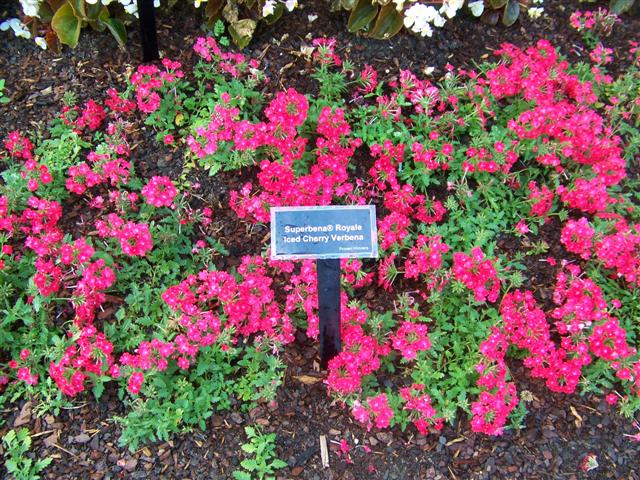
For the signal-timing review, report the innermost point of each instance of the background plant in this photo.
(261, 461)
(18, 464)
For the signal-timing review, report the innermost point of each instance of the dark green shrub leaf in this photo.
(490, 17)
(66, 25)
(94, 11)
(116, 27)
(78, 8)
(213, 10)
(620, 6)
(389, 22)
(497, 3)
(242, 31)
(511, 13)
(362, 15)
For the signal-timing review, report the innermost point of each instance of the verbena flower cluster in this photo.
(451, 168)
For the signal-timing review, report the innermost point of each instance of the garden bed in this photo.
(560, 431)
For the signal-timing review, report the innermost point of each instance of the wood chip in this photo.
(307, 379)
(455, 440)
(24, 416)
(324, 451)
(51, 440)
(575, 413)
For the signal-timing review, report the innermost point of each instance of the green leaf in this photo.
(95, 10)
(362, 15)
(511, 13)
(249, 464)
(240, 475)
(620, 6)
(389, 22)
(12, 465)
(242, 31)
(78, 8)
(497, 3)
(108, 259)
(115, 26)
(277, 463)
(66, 25)
(348, 4)
(98, 389)
(249, 448)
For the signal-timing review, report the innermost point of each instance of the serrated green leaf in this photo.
(277, 463)
(240, 475)
(66, 25)
(247, 447)
(249, 464)
(362, 15)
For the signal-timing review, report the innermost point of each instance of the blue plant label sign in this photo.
(324, 232)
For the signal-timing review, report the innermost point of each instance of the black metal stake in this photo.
(329, 308)
(146, 13)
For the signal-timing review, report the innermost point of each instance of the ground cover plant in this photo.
(134, 292)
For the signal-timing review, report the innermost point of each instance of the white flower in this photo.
(268, 8)
(312, 18)
(419, 17)
(439, 20)
(156, 3)
(30, 7)
(40, 41)
(291, 4)
(197, 3)
(131, 9)
(477, 7)
(92, 2)
(19, 29)
(451, 7)
(399, 5)
(535, 12)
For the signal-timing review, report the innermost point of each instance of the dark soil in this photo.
(560, 431)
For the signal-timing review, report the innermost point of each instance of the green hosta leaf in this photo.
(95, 10)
(66, 25)
(497, 3)
(242, 31)
(45, 13)
(389, 22)
(511, 13)
(362, 15)
(78, 8)
(620, 6)
(348, 4)
(115, 26)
